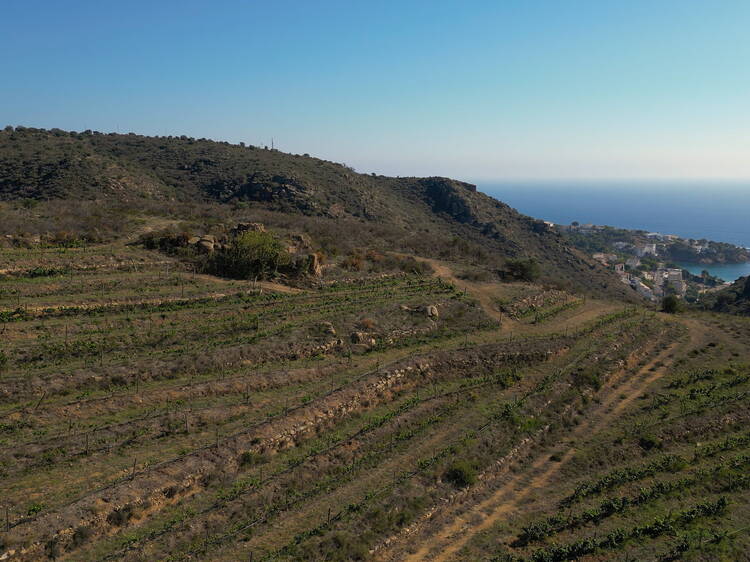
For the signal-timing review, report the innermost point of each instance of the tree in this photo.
(670, 304)
(522, 269)
(461, 474)
(250, 255)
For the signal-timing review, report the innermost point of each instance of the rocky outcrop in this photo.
(447, 196)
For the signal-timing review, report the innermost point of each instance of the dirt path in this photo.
(480, 291)
(443, 544)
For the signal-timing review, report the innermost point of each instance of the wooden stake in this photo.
(44, 394)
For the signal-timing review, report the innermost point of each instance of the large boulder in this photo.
(206, 243)
(314, 267)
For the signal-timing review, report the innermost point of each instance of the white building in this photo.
(646, 250)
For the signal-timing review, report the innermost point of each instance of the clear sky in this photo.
(471, 89)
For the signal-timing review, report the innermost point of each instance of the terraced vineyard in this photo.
(150, 413)
(655, 474)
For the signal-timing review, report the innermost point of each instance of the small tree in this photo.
(461, 474)
(522, 269)
(670, 304)
(252, 254)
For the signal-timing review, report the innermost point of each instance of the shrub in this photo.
(670, 304)
(249, 458)
(250, 255)
(366, 324)
(521, 269)
(81, 535)
(34, 508)
(461, 474)
(340, 546)
(165, 240)
(648, 442)
(121, 516)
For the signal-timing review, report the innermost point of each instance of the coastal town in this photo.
(647, 261)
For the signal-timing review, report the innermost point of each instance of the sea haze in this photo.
(717, 211)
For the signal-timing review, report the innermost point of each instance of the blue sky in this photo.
(474, 89)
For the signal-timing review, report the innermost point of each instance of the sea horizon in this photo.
(710, 209)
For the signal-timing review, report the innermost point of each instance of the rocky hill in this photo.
(111, 178)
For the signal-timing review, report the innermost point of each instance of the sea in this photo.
(717, 211)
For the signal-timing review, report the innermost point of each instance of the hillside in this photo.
(149, 412)
(112, 178)
(735, 299)
(397, 385)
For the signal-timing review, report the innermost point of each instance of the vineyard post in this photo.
(44, 395)
(132, 472)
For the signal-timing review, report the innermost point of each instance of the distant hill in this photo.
(670, 248)
(49, 169)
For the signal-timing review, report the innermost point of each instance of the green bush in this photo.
(521, 269)
(81, 535)
(649, 442)
(670, 304)
(250, 255)
(461, 474)
(249, 458)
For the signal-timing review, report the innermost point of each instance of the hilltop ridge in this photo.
(127, 174)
